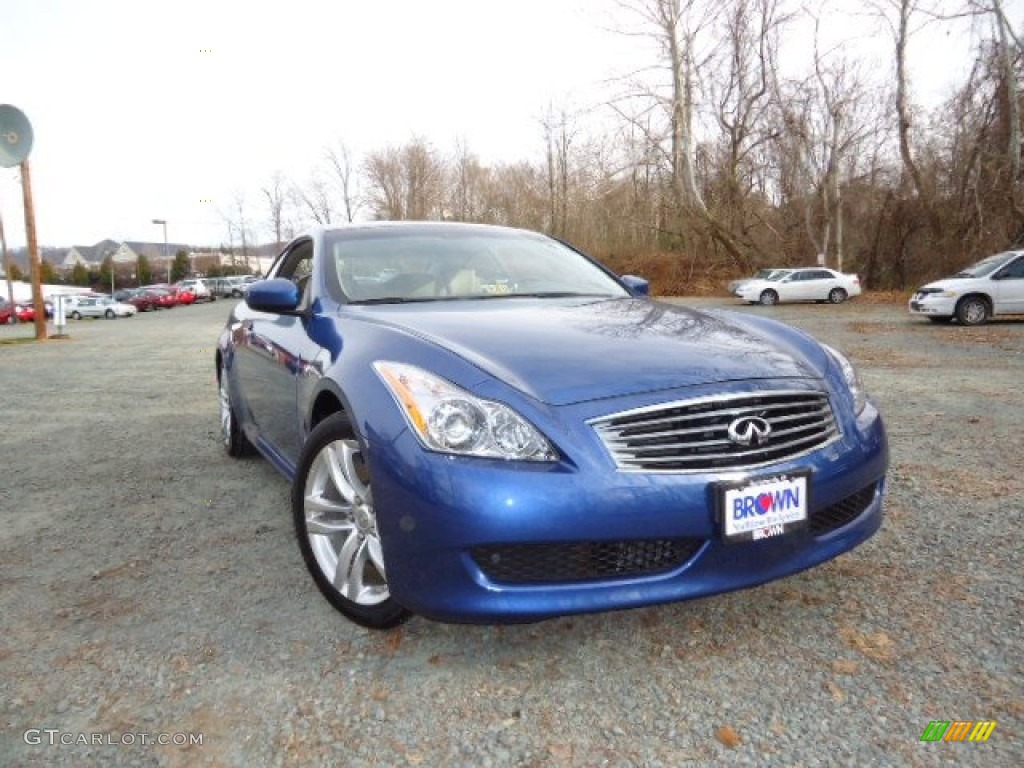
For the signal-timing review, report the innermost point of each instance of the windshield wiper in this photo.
(543, 295)
(397, 300)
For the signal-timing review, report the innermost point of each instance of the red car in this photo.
(25, 313)
(141, 300)
(184, 295)
(162, 298)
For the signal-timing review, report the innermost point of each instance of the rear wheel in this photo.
(336, 526)
(236, 444)
(769, 298)
(109, 314)
(76, 315)
(972, 310)
(837, 296)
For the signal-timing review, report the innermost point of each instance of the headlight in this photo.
(450, 420)
(860, 398)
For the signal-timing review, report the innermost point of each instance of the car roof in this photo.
(417, 226)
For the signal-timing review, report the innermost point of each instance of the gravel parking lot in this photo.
(151, 585)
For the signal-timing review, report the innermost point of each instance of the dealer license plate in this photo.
(763, 508)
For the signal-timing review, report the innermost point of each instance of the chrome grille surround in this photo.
(687, 436)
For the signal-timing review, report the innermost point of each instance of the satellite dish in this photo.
(15, 136)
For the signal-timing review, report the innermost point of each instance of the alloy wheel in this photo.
(341, 524)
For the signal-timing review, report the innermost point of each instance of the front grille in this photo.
(692, 435)
(842, 512)
(582, 561)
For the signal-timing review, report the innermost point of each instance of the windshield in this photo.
(430, 263)
(986, 266)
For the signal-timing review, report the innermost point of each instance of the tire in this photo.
(332, 495)
(76, 315)
(236, 444)
(836, 296)
(109, 314)
(768, 298)
(972, 310)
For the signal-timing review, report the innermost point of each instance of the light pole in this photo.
(163, 223)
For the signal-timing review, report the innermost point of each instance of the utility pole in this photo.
(33, 251)
(7, 271)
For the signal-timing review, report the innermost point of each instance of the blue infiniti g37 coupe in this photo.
(482, 424)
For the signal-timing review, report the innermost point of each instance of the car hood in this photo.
(562, 352)
(757, 283)
(958, 284)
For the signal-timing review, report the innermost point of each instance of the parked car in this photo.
(233, 286)
(183, 295)
(761, 274)
(162, 297)
(142, 300)
(504, 430)
(994, 286)
(7, 314)
(199, 289)
(804, 284)
(23, 312)
(107, 307)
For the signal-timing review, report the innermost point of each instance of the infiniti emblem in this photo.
(749, 430)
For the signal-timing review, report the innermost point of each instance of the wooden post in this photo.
(33, 251)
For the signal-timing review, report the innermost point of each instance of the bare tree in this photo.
(688, 49)
(239, 226)
(314, 197)
(276, 195)
(406, 182)
(340, 162)
(560, 132)
(467, 200)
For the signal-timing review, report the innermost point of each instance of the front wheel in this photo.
(336, 526)
(109, 314)
(837, 296)
(972, 311)
(76, 315)
(769, 298)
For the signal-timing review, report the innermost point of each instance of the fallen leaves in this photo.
(844, 667)
(728, 736)
(875, 645)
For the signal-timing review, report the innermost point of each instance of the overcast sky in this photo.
(148, 109)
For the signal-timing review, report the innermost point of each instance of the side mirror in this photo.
(278, 295)
(636, 285)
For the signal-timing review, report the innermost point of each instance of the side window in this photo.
(1014, 270)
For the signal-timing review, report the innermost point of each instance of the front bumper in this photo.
(932, 305)
(444, 519)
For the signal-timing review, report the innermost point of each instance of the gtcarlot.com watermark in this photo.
(56, 737)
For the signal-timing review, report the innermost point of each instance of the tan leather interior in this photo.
(464, 283)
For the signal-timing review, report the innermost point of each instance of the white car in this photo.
(102, 307)
(761, 274)
(805, 284)
(993, 286)
(199, 288)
